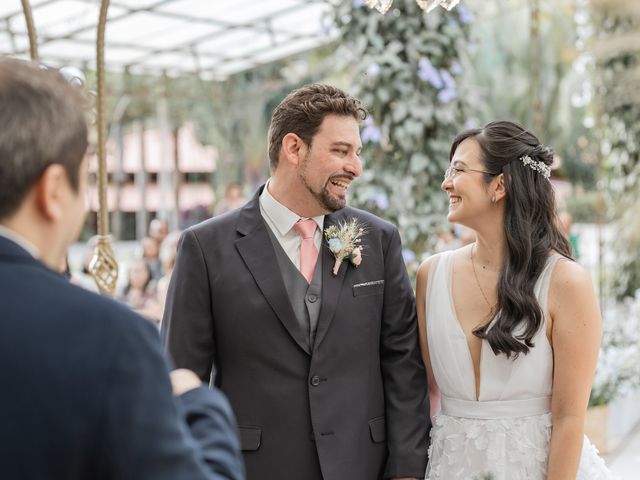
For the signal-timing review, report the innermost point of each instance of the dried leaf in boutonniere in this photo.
(344, 241)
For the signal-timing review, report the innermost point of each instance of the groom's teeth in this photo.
(340, 184)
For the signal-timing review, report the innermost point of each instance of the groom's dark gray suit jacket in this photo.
(353, 404)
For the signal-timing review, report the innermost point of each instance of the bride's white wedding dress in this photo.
(506, 432)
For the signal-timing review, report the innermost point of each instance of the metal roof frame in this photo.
(213, 39)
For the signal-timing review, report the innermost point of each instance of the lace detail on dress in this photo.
(592, 466)
(508, 448)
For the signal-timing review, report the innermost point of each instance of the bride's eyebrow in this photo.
(458, 163)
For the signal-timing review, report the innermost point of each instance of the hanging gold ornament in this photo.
(383, 6)
(103, 266)
(449, 4)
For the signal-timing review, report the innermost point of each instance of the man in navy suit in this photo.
(86, 392)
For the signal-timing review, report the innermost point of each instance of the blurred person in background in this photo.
(151, 255)
(158, 230)
(233, 198)
(140, 292)
(565, 225)
(168, 253)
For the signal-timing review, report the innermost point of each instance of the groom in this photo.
(322, 370)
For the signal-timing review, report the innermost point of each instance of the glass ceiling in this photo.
(214, 38)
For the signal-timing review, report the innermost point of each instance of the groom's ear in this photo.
(499, 191)
(293, 149)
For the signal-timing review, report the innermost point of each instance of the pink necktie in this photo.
(308, 251)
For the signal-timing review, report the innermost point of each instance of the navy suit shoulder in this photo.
(88, 391)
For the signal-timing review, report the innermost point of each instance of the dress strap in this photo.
(542, 285)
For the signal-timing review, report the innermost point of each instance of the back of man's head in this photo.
(42, 123)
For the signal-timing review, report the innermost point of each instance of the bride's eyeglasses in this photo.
(451, 172)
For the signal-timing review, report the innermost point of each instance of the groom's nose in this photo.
(353, 165)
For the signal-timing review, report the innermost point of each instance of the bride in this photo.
(509, 325)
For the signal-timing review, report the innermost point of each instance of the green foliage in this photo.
(618, 68)
(618, 371)
(404, 67)
(500, 69)
(587, 207)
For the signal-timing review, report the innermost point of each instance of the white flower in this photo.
(344, 241)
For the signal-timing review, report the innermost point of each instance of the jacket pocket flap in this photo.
(378, 429)
(250, 437)
(368, 288)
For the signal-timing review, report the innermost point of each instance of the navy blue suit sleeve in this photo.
(146, 436)
(211, 423)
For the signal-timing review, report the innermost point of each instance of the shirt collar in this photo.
(281, 217)
(20, 240)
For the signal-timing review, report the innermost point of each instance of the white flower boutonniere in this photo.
(345, 242)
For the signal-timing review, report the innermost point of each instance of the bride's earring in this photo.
(493, 199)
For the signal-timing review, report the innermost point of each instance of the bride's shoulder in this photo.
(433, 260)
(428, 265)
(569, 276)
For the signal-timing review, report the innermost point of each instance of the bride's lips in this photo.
(454, 200)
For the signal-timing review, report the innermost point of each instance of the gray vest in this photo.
(305, 298)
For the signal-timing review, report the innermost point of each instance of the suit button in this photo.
(315, 381)
(312, 298)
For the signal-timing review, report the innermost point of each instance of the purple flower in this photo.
(456, 69)
(373, 70)
(408, 255)
(449, 92)
(380, 200)
(465, 14)
(470, 123)
(371, 133)
(449, 82)
(447, 95)
(358, 3)
(428, 73)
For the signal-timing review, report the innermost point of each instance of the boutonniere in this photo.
(345, 242)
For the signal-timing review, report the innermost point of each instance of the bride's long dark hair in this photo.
(530, 230)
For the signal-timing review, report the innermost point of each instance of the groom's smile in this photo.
(332, 162)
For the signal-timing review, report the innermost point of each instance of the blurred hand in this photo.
(183, 380)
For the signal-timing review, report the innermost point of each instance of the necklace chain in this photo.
(475, 274)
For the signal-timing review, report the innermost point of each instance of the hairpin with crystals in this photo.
(540, 167)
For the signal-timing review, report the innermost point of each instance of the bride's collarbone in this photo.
(473, 307)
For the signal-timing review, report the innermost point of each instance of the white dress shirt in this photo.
(20, 240)
(281, 221)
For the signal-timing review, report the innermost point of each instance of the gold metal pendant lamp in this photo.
(31, 30)
(103, 266)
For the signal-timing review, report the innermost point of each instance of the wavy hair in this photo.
(530, 229)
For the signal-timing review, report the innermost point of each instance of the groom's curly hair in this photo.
(302, 113)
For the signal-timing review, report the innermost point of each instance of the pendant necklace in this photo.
(475, 274)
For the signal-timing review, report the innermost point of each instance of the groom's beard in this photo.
(329, 203)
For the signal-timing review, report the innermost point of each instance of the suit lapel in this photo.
(256, 250)
(331, 286)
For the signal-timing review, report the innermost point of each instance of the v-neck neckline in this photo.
(477, 382)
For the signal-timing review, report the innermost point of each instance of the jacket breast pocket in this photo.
(378, 429)
(250, 438)
(375, 287)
